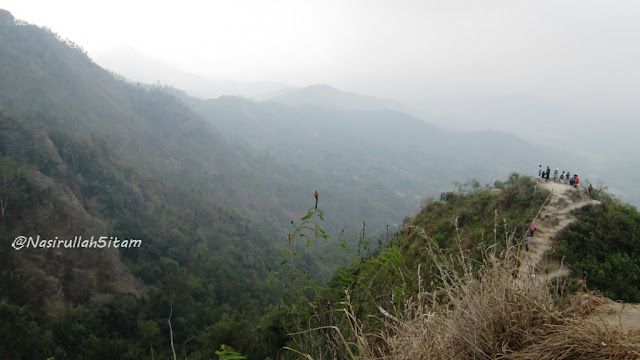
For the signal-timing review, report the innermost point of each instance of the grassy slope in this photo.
(445, 288)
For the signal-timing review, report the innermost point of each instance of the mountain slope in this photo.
(197, 257)
(86, 154)
(161, 134)
(406, 155)
(456, 280)
(325, 96)
(55, 86)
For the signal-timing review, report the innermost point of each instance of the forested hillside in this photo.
(377, 153)
(85, 154)
(197, 258)
(54, 86)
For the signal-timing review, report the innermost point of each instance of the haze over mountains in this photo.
(566, 129)
(212, 187)
(357, 150)
(144, 69)
(398, 151)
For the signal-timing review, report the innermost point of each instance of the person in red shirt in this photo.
(533, 228)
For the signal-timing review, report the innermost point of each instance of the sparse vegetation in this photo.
(485, 313)
(482, 313)
(562, 203)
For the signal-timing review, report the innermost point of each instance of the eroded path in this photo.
(555, 216)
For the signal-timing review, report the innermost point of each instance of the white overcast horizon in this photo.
(556, 73)
(422, 53)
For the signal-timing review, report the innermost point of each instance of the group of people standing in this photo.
(564, 178)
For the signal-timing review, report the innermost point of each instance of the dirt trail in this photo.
(555, 216)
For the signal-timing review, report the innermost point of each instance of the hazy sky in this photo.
(410, 50)
(554, 72)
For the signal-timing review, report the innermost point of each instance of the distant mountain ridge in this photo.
(396, 151)
(330, 97)
(137, 67)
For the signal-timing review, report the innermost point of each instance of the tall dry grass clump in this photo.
(479, 311)
(487, 310)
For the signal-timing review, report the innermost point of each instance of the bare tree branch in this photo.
(173, 349)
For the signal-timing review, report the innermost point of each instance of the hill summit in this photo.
(327, 96)
(464, 281)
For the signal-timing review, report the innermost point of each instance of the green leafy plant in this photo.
(305, 234)
(228, 353)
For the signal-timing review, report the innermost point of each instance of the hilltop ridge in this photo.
(554, 216)
(457, 283)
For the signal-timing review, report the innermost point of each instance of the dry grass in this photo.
(578, 194)
(477, 313)
(576, 339)
(488, 311)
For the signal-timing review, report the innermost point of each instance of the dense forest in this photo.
(603, 247)
(85, 154)
(199, 263)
